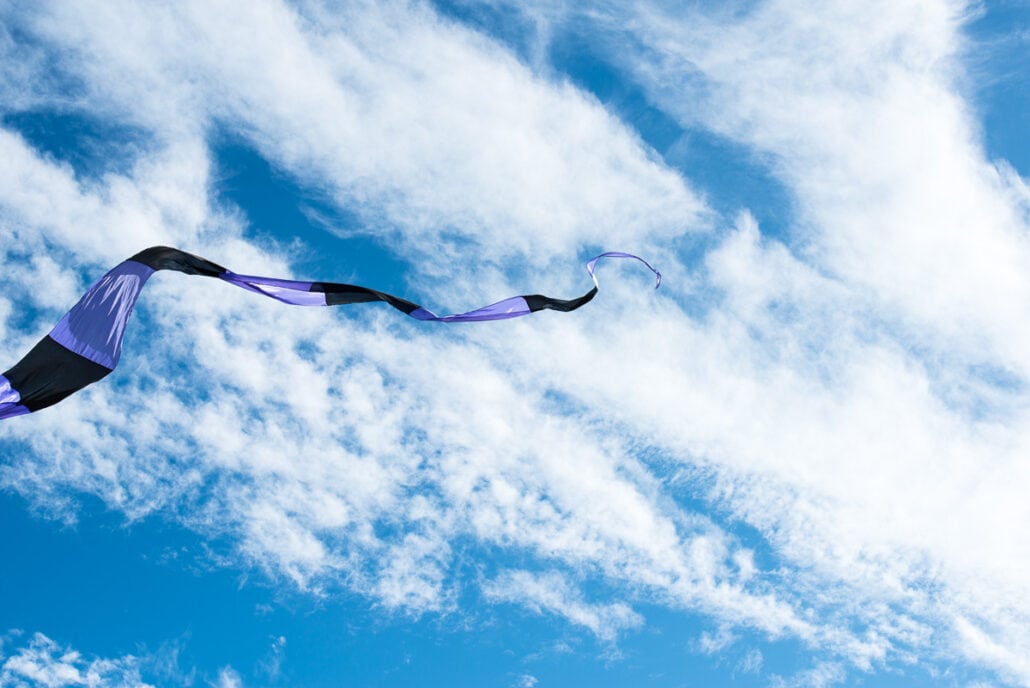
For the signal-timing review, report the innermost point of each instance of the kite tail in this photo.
(86, 344)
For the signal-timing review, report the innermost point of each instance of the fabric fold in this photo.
(86, 344)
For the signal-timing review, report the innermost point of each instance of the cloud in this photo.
(42, 662)
(858, 389)
(711, 643)
(527, 681)
(751, 663)
(271, 665)
(228, 678)
(552, 593)
(822, 675)
(391, 111)
(864, 119)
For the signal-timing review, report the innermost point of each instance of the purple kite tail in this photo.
(86, 344)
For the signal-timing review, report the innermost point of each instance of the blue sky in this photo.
(799, 463)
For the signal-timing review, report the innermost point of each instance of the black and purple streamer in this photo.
(86, 344)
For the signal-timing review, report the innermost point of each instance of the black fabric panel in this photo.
(167, 258)
(341, 294)
(50, 372)
(536, 302)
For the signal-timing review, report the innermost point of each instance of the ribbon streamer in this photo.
(86, 344)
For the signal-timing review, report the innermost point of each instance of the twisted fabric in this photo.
(86, 344)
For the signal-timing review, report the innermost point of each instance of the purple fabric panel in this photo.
(288, 291)
(8, 395)
(12, 410)
(502, 310)
(9, 398)
(94, 327)
(295, 285)
(422, 314)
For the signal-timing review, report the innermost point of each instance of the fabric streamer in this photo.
(86, 344)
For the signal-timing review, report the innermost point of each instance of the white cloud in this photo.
(271, 665)
(751, 663)
(822, 675)
(711, 643)
(552, 593)
(228, 678)
(860, 395)
(42, 663)
(991, 648)
(860, 108)
(389, 110)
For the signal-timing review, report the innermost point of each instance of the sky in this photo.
(801, 462)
